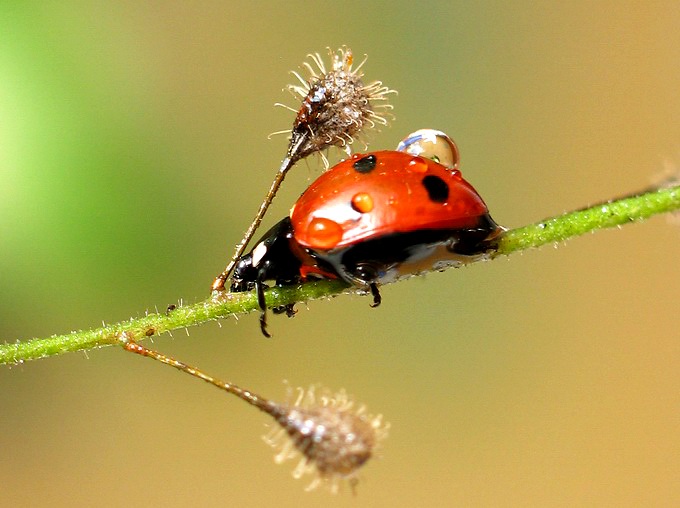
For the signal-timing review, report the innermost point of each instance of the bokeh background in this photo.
(134, 152)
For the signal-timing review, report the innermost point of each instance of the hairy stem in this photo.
(557, 229)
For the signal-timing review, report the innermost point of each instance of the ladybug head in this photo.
(270, 259)
(245, 275)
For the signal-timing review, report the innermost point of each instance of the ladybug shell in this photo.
(383, 193)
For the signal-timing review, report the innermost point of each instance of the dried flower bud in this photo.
(334, 438)
(336, 105)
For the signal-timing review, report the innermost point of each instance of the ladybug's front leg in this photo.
(377, 299)
(259, 289)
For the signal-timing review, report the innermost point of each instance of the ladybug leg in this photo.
(361, 276)
(288, 309)
(377, 299)
(263, 325)
(259, 288)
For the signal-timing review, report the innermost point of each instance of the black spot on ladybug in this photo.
(365, 164)
(436, 188)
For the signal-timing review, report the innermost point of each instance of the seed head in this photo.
(334, 438)
(336, 105)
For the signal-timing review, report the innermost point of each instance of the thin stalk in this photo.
(291, 158)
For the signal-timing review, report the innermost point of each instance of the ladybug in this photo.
(373, 219)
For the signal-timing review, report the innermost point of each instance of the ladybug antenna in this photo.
(336, 106)
(334, 437)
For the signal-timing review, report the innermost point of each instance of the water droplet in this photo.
(324, 233)
(362, 202)
(432, 144)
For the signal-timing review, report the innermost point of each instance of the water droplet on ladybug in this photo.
(362, 202)
(417, 166)
(324, 233)
(431, 144)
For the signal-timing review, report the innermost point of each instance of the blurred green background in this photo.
(134, 152)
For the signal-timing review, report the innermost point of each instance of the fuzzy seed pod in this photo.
(336, 105)
(334, 438)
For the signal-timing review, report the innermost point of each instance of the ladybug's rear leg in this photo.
(377, 299)
(361, 275)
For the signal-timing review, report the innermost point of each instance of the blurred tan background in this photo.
(134, 152)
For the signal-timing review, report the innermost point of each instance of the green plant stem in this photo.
(617, 212)
(557, 229)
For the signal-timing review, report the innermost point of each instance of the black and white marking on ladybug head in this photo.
(259, 252)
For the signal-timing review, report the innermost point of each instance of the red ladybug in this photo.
(373, 219)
